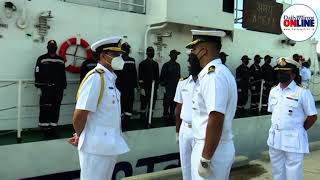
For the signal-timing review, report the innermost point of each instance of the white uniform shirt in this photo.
(184, 94)
(305, 74)
(289, 107)
(102, 133)
(216, 91)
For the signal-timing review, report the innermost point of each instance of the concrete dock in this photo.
(261, 170)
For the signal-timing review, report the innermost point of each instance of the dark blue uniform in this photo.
(242, 79)
(126, 83)
(87, 66)
(169, 78)
(148, 72)
(50, 77)
(267, 74)
(255, 86)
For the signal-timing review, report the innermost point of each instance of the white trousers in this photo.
(185, 145)
(221, 161)
(96, 167)
(286, 165)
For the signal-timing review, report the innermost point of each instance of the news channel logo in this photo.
(299, 22)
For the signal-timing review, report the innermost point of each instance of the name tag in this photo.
(111, 88)
(291, 98)
(184, 90)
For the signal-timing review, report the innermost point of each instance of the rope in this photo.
(13, 107)
(4, 109)
(8, 84)
(36, 105)
(8, 132)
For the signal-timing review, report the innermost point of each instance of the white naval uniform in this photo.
(305, 74)
(101, 140)
(184, 94)
(288, 140)
(216, 91)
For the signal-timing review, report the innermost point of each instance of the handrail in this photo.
(19, 106)
(32, 80)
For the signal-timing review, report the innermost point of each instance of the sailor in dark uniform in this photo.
(126, 83)
(169, 78)
(242, 79)
(223, 56)
(148, 72)
(50, 78)
(267, 74)
(255, 84)
(87, 66)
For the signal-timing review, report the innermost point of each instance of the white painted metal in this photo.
(151, 103)
(19, 110)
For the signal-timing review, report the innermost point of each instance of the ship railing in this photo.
(17, 88)
(20, 84)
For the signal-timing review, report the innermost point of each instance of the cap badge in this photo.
(282, 62)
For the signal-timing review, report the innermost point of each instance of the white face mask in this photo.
(117, 63)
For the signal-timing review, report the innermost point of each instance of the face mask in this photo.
(117, 63)
(246, 62)
(195, 67)
(52, 49)
(268, 61)
(284, 77)
(223, 60)
(150, 55)
(258, 61)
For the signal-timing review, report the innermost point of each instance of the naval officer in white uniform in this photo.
(213, 108)
(183, 98)
(96, 119)
(288, 138)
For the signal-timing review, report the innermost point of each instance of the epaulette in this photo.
(211, 69)
(100, 71)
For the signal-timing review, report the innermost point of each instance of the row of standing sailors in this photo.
(49, 71)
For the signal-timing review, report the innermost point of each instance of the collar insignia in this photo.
(211, 69)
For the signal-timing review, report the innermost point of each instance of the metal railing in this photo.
(20, 83)
(16, 88)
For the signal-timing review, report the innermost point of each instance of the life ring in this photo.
(63, 52)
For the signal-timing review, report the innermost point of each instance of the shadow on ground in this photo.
(247, 172)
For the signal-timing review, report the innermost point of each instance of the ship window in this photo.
(228, 6)
(135, 6)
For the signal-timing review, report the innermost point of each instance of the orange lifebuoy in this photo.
(63, 52)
